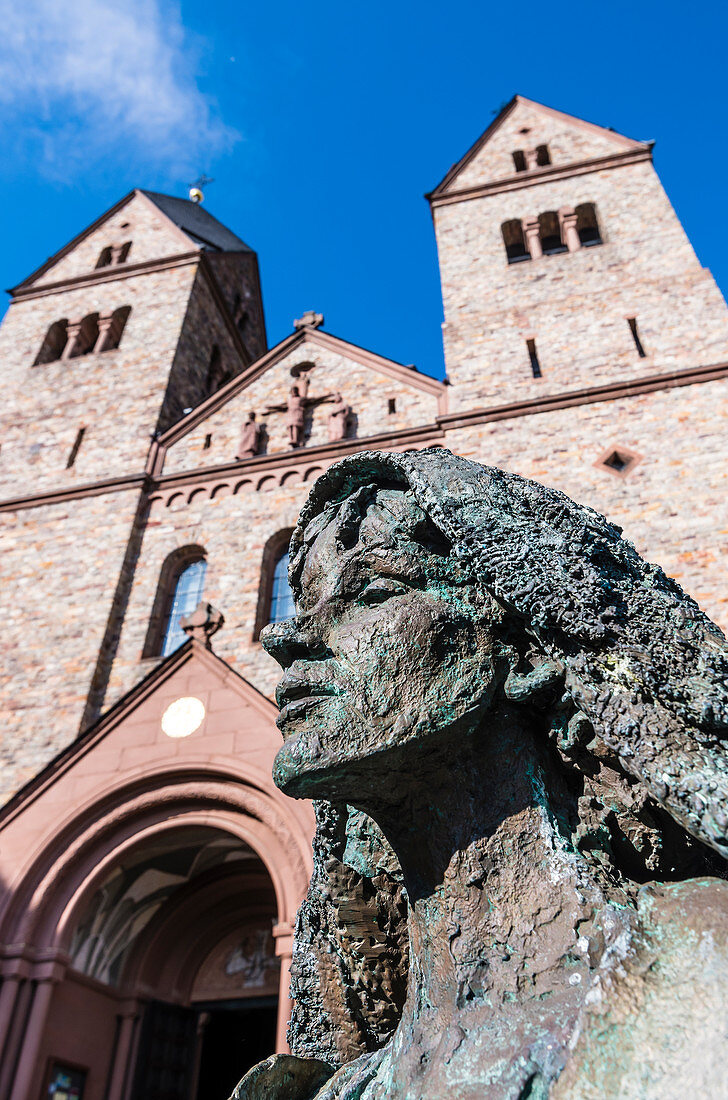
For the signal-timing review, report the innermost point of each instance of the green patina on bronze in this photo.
(514, 730)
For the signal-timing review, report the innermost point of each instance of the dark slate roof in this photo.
(194, 220)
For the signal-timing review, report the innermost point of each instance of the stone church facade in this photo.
(149, 871)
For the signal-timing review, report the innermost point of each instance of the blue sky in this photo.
(323, 125)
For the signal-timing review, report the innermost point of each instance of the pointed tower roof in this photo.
(523, 123)
(204, 229)
(190, 227)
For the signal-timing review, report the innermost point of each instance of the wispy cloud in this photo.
(104, 79)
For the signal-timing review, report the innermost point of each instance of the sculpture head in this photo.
(391, 646)
(427, 587)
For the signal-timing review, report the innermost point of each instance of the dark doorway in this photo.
(166, 1059)
(238, 1034)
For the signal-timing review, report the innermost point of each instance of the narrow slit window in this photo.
(75, 448)
(632, 321)
(392, 406)
(208, 441)
(533, 356)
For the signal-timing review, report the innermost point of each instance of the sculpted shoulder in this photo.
(658, 1030)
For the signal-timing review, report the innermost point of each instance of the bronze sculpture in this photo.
(534, 718)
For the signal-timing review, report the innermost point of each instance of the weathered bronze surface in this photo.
(514, 730)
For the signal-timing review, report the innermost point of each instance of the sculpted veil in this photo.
(514, 730)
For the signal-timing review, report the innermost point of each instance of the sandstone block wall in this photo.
(233, 530)
(203, 328)
(116, 395)
(574, 304)
(59, 569)
(138, 221)
(569, 140)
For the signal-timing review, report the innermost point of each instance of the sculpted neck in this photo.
(492, 881)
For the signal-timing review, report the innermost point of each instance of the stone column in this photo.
(46, 976)
(531, 158)
(569, 234)
(74, 327)
(104, 323)
(122, 1054)
(13, 973)
(283, 935)
(532, 237)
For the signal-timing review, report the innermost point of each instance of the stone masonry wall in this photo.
(59, 569)
(233, 529)
(116, 395)
(367, 390)
(237, 276)
(671, 504)
(203, 328)
(574, 304)
(569, 140)
(138, 221)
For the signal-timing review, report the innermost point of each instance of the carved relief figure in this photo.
(249, 445)
(295, 415)
(487, 675)
(338, 418)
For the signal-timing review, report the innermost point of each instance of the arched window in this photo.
(116, 329)
(281, 597)
(275, 599)
(53, 343)
(543, 156)
(86, 337)
(185, 598)
(113, 254)
(549, 230)
(514, 241)
(587, 225)
(180, 588)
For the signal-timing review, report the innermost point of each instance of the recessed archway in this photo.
(164, 906)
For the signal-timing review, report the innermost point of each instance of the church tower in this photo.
(141, 316)
(563, 264)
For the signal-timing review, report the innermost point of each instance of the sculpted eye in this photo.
(381, 589)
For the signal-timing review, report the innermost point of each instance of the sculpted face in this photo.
(389, 647)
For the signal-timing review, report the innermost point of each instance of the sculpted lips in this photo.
(295, 692)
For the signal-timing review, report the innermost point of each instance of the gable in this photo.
(523, 125)
(130, 740)
(383, 396)
(134, 220)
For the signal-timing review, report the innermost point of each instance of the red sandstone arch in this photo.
(97, 834)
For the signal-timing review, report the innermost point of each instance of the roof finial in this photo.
(310, 319)
(196, 193)
(202, 623)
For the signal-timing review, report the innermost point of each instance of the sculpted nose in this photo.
(290, 640)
